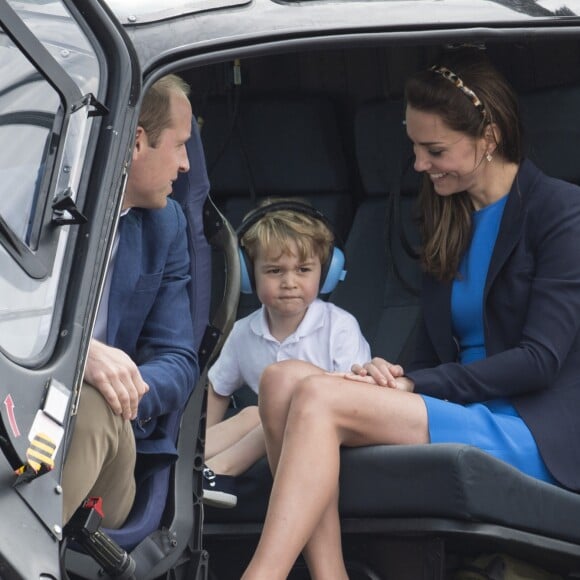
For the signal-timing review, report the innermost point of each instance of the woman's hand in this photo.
(382, 373)
(405, 384)
(354, 377)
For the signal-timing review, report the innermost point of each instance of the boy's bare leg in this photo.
(234, 445)
(241, 455)
(224, 434)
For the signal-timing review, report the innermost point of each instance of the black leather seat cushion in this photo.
(448, 481)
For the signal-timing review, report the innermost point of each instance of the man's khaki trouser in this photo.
(100, 460)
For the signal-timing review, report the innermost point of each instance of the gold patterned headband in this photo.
(456, 80)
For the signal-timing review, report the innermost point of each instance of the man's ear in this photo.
(140, 141)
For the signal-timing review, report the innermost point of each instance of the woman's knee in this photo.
(314, 394)
(277, 384)
(283, 373)
(281, 378)
(278, 388)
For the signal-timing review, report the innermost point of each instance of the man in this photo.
(141, 362)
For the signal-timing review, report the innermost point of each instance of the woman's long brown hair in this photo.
(446, 221)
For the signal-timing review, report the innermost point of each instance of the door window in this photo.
(46, 94)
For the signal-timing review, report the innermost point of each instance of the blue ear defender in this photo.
(335, 272)
(332, 270)
(246, 282)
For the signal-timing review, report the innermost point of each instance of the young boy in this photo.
(289, 249)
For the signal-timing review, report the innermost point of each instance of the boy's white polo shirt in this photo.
(328, 337)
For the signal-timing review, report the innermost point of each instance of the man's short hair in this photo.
(155, 113)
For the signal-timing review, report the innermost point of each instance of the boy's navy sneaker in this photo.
(218, 490)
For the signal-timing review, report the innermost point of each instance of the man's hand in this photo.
(116, 377)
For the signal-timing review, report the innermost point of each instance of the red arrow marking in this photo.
(11, 417)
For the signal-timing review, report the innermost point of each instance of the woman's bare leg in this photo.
(325, 412)
(276, 390)
(323, 552)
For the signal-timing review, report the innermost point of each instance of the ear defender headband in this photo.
(332, 270)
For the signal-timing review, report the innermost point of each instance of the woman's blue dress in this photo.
(493, 426)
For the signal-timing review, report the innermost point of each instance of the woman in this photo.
(498, 358)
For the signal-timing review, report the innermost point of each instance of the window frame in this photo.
(37, 258)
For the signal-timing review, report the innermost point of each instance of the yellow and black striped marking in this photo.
(40, 454)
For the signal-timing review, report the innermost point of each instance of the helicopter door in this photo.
(67, 95)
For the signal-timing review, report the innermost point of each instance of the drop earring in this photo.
(489, 157)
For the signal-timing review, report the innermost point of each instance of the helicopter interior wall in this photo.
(355, 75)
(546, 75)
(293, 123)
(348, 79)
